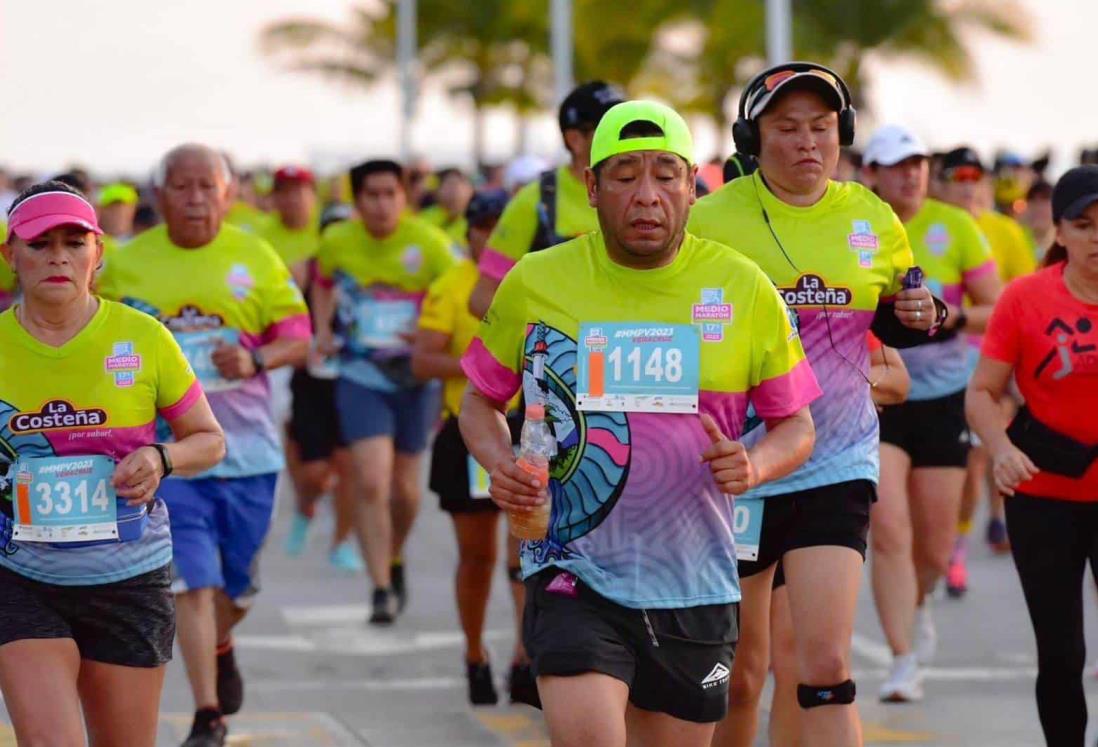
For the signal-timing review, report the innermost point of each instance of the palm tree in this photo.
(839, 33)
(490, 51)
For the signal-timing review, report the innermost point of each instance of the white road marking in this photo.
(879, 655)
(873, 651)
(413, 684)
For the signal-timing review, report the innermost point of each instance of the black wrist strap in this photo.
(165, 458)
(257, 361)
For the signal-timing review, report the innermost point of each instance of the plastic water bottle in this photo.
(537, 447)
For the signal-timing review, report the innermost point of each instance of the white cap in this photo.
(891, 144)
(523, 170)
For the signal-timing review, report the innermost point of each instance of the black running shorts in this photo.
(675, 661)
(933, 432)
(830, 515)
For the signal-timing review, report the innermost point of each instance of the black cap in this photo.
(1075, 192)
(959, 157)
(586, 104)
(486, 205)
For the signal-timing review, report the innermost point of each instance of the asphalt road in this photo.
(316, 674)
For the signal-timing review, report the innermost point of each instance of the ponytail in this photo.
(1056, 253)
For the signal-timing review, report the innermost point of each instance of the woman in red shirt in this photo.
(1044, 332)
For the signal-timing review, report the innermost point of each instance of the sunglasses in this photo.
(773, 81)
(964, 174)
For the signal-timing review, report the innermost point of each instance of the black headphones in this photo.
(745, 131)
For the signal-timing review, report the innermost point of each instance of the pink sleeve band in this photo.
(784, 395)
(978, 272)
(298, 327)
(323, 280)
(489, 376)
(494, 265)
(192, 395)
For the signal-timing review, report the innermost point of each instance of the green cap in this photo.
(609, 142)
(112, 193)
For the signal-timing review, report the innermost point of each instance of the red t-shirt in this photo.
(1051, 339)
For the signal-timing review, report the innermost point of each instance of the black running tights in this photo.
(1052, 541)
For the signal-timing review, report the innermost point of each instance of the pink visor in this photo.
(37, 214)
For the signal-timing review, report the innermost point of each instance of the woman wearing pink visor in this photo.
(86, 617)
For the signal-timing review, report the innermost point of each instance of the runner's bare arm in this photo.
(483, 293)
(888, 375)
(430, 359)
(787, 445)
(323, 306)
(1010, 465)
(236, 362)
(199, 444)
(983, 291)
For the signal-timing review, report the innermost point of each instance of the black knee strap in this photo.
(810, 696)
(514, 572)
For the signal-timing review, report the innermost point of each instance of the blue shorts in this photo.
(218, 528)
(405, 415)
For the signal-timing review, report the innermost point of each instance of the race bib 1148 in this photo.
(638, 367)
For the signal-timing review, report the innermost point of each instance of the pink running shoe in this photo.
(957, 577)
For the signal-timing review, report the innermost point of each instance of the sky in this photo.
(112, 85)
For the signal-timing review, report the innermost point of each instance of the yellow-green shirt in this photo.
(1009, 246)
(381, 284)
(245, 216)
(455, 228)
(292, 245)
(518, 225)
(446, 310)
(832, 262)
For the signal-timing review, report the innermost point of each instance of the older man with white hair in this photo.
(230, 303)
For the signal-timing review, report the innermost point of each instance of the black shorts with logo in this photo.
(130, 623)
(675, 661)
(830, 515)
(450, 473)
(933, 432)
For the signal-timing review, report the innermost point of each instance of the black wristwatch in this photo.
(962, 320)
(165, 458)
(258, 362)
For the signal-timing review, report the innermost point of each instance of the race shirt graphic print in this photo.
(836, 261)
(67, 415)
(635, 514)
(235, 291)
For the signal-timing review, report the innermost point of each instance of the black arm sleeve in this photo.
(892, 333)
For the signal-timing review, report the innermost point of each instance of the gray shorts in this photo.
(130, 623)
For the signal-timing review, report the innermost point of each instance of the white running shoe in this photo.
(925, 643)
(905, 681)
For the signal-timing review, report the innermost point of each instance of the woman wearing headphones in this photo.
(840, 257)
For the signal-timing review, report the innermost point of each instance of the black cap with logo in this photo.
(585, 105)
